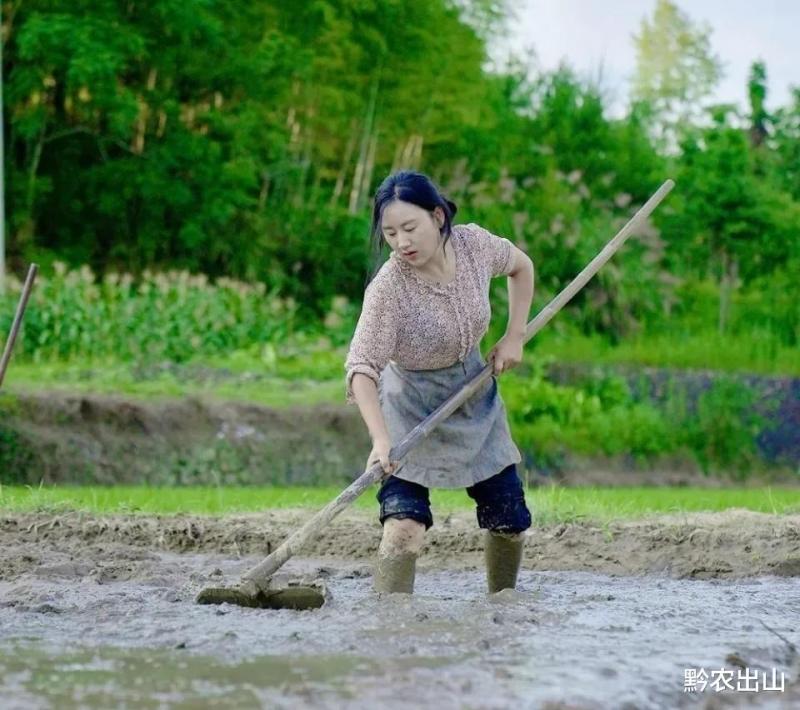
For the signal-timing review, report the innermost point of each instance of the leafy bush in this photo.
(722, 431)
(601, 415)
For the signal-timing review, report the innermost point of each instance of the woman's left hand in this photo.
(507, 353)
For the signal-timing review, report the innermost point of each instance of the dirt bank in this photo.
(731, 544)
(61, 437)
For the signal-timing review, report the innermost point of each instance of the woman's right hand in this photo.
(380, 452)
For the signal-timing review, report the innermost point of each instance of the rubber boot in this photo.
(397, 556)
(503, 555)
(395, 573)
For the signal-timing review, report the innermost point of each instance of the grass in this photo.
(684, 351)
(549, 504)
(252, 385)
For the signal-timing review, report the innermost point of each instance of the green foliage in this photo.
(15, 457)
(245, 141)
(727, 217)
(551, 419)
(722, 431)
(757, 93)
(222, 138)
(785, 146)
(172, 316)
(728, 223)
(675, 69)
(601, 415)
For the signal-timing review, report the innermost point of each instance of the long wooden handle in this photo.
(261, 573)
(15, 326)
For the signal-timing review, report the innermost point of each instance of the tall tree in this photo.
(757, 93)
(128, 146)
(675, 69)
(787, 145)
(722, 226)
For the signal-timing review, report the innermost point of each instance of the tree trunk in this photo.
(305, 154)
(373, 146)
(728, 278)
(144, 114)
(417, 159)
(292, 122)
(348, 156)
(411, 157)
(398, 154)
(262, 195)
(361, 163)
(24, 234)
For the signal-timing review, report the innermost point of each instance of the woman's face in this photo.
(411, 231)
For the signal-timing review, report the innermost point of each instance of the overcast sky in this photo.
(591, 34)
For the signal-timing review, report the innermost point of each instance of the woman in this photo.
(416, 342)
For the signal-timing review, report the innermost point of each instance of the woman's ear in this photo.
(438, 216)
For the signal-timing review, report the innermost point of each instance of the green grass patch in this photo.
(746, 352)
(256, 384)
(549, 504)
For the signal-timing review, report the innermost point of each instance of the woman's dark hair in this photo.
(408, 186)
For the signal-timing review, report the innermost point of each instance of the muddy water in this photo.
(73, 636)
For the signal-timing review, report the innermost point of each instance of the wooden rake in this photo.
(254, 589)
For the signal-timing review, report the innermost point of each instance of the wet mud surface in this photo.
(99, 612)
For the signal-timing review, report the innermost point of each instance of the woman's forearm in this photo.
(520, 296)
(366, 395)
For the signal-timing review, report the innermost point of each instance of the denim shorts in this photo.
(500, 502)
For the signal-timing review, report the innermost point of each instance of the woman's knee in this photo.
(500, 503)
(402, 535)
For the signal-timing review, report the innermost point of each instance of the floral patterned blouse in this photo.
(422, 325)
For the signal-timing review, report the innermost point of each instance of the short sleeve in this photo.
(495, 252)
(375, 337)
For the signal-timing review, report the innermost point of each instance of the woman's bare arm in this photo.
(520, 292)
(365, 393)
(507, 352)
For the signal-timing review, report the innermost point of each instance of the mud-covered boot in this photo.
(503, 555)
(397, 555)
(395, 573)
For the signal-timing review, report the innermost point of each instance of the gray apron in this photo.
(474, 443)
